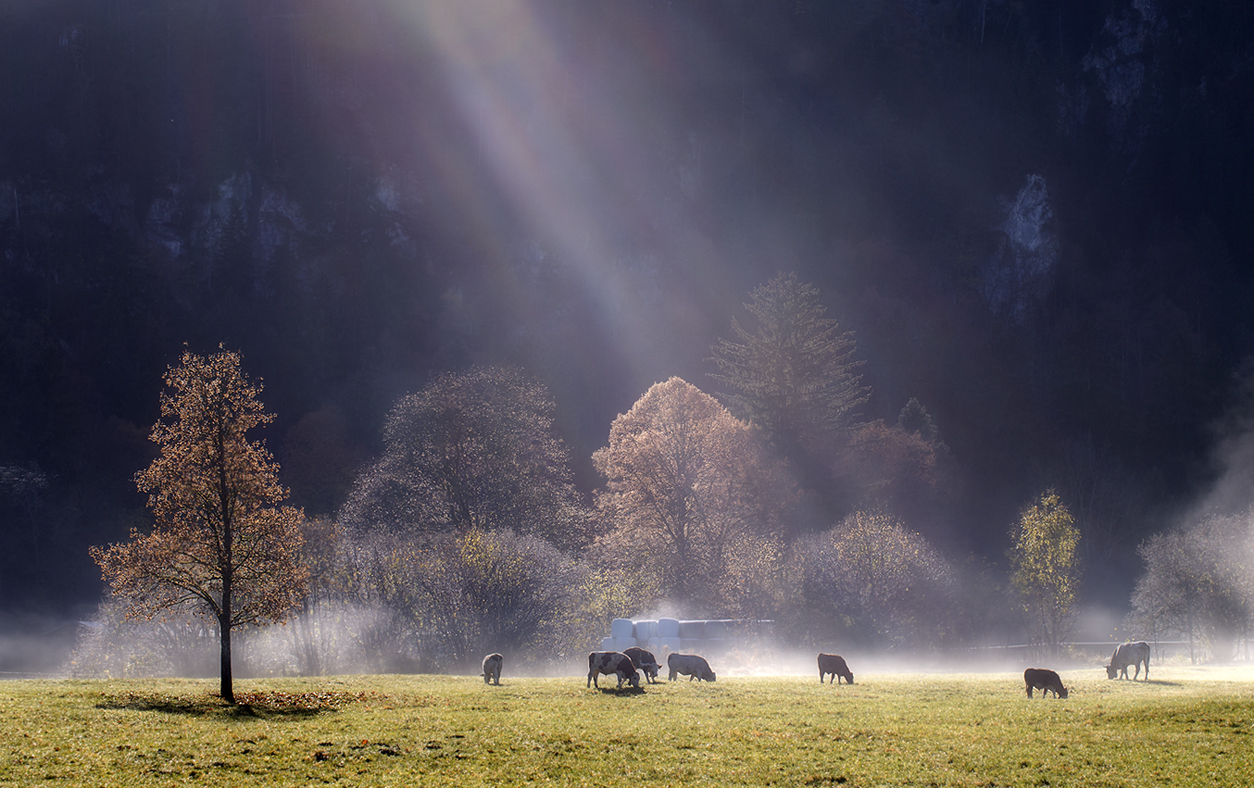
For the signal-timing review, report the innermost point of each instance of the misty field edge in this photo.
(1188, 725)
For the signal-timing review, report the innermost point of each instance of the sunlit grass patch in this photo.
(1183, 727)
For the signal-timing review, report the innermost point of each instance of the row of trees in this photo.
(467, 534)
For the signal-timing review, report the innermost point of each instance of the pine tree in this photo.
(221, 545)
(795, 377)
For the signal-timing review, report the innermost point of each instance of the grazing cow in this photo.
(690, 665)
(1126, 656)
(834, 665)
(645, 662)
(1045, 681)
(611, 663)
(492, 669)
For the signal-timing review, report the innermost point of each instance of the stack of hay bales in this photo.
(668, 635)
(691, 633)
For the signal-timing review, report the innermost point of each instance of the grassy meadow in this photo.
(1185, 727)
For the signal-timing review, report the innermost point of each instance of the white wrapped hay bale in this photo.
(607, 644)
(646, 629)
(668, 645)
(621, 644)
(667, 628)
(621, 628)
(720, 629)
(692, 630)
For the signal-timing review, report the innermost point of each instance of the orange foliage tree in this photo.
(687, 476)
(220, 545)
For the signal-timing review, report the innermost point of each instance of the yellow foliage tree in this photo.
(1047, 569)
(220, 544)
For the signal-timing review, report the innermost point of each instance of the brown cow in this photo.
(691, 665)
(645, 662)
(492, 664)
(835, 666)
(612, 663)
(1045, 681)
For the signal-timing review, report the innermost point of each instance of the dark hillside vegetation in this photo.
(1035, 218)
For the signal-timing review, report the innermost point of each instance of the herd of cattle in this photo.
(627, 665)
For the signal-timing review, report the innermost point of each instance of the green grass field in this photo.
(1186, 727)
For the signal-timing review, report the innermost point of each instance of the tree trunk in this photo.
(227, 688)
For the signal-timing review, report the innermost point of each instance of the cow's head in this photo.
(1111, 671)
(1063, 693)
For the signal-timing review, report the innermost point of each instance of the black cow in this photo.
(645, 662)
(690, 665)
(1126, 656)
(1045, 681)
(612, 663)
(834, 665)
(492, 664)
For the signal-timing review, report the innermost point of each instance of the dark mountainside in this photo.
(1036, 218)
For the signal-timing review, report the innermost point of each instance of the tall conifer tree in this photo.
(795, 376)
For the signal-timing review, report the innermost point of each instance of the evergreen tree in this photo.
(915, 418)
(795, 377)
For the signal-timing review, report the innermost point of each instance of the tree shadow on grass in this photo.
(248, 704)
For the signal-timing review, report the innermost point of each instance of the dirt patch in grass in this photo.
(293, 704)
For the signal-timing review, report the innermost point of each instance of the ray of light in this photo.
(560, 141)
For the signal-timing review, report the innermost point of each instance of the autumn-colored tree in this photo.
(221, 544)
(1046, 568)
(687, 478)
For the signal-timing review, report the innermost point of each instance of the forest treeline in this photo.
(1034, 218)
(466, 536)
